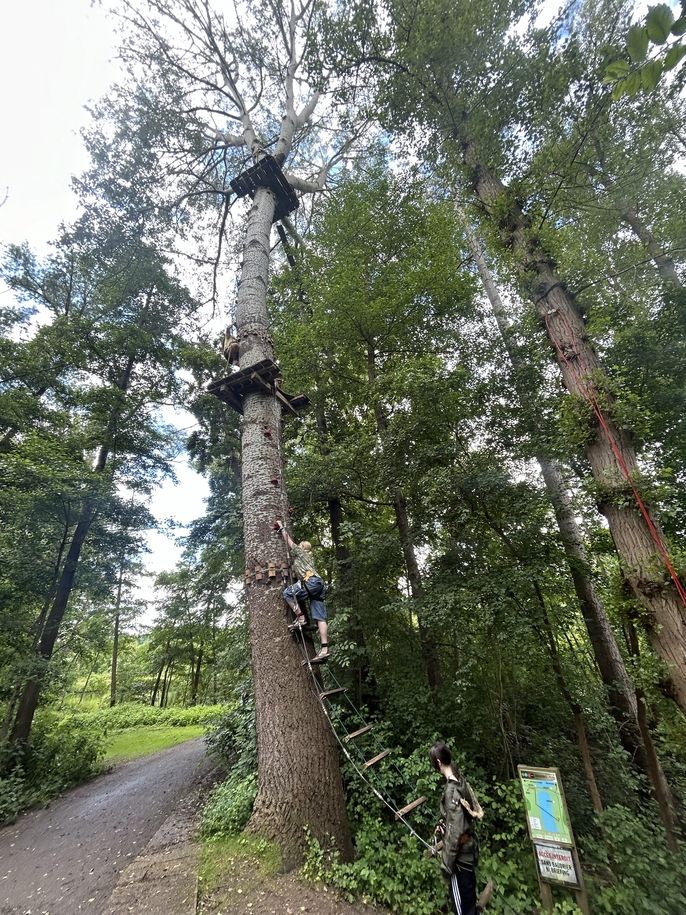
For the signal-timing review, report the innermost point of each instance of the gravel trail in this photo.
(66, 859)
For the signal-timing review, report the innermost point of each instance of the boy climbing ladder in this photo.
(309, 584)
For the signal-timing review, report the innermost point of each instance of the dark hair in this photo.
(439, 753)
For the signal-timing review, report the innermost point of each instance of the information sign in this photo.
(556, 864)
(546, 810)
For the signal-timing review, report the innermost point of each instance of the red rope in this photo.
(619, 457)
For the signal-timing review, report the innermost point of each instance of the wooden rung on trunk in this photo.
(375, 759)
(364, 730)
(410, 807)
(332, 692)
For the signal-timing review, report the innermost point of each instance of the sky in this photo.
(55, 57)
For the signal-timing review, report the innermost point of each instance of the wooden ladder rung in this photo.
(375, 759)
(410, 807)
(354, 734)
(332, 692)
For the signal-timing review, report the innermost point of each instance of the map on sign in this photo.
(545, 807)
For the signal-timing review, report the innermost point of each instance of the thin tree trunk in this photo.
(31, 693)
(155, 690)
(575, 708)
(195, 686)
(584, 376)
(115, 641)
(661, 789)
(345, 591)
(299, 781)
(414, 578)
(88, 680)
(663, 262)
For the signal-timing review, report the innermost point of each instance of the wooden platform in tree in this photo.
(267, 173)
(262, 377)
(332, 692)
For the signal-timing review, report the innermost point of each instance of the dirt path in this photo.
(67, 858)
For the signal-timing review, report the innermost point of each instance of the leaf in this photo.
(619, 89)
(679, 27)
(674, 55)
(634, 82)
(659, 21)
(650, 75)
(637, 43)
(617, 69)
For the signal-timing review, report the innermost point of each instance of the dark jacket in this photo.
(458, 840)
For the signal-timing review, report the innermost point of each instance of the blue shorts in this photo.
(316, 589)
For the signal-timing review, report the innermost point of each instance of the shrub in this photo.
(233, 739)
(133, 714)
(60, 753)
(635, 873)
(229, 806)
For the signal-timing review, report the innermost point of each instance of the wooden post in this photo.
(546, 895)
(581, 895)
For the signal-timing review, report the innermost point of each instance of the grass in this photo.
(134, 742)
(221, 858)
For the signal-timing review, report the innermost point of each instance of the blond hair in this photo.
(305, 545)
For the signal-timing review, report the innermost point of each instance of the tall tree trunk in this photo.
(663, 262)
(115, 640)
(158, 679)
(661, 789)
(621, 694)
(634, 534)
(575, 708)
(195, 684)
(166, 682)
(414, 577)
(346, 591)
(31, 692)
(299, 781)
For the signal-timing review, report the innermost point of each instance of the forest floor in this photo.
(239, 876)
(68, 857)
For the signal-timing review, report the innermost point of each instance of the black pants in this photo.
(462, 891)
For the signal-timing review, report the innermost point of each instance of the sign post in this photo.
(550, 830)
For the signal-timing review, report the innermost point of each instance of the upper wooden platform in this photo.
(267, 173)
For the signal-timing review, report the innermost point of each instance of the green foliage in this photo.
(393, 873)
(60, 753)
(229, 806)
(232, 739)
(131, 715)
(630, 77)
(635, 872)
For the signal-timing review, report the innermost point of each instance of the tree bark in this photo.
(414, 577)
(299, 781)
(584, 377)
(663, 262)
(195, 684)
(621, 695)
(156, 687)
(575, 708)
(661, 790)
(115, 640)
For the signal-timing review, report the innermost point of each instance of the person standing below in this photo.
(309, 584)
(459, 854)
